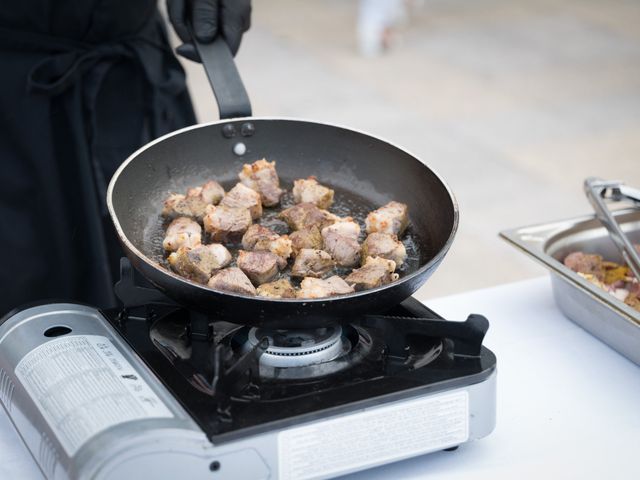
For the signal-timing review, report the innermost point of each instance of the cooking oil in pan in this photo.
(345, 204)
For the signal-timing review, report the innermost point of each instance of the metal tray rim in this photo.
(532, 240)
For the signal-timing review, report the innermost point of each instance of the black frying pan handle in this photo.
(224, 78)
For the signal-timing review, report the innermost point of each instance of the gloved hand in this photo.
(208, 19)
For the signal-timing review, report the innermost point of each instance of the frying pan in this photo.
(365, 171)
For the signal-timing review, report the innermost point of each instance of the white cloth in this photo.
(568, 405)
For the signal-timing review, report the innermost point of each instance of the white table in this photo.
(568, 405)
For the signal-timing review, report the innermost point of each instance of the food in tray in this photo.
(615, 278)
(321, 255)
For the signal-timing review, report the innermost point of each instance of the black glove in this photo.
(209, 18)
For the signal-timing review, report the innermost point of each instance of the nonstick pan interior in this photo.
(365, 171)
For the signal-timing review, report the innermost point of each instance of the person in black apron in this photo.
(84, 84)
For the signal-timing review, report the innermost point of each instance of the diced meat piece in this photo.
(233, 280)
(341, 242)
(211, 192)
(242, 196)
(257, 233)
(339, 286)
(586, 263)
(309, 237)
(261, 238)
(633, 301)
(391, 218)
(182, 232)
(281, 246)
(226, 223)
(178, 205)
(375, 272)
(279, 289)
(306, 215)
(345, 227)
(173, 206)
(199, 263)
(260, 267)
(262, 177)
(310, 191)
(317, 288)
(384, 245)
(312, 263)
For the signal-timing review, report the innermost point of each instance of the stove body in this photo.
(157, 390)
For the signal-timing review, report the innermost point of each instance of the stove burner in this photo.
(298, 348)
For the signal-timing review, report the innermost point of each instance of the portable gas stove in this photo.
(155, 390)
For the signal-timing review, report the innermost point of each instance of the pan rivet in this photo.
(240, 149)
(247, 129)
(229, 131)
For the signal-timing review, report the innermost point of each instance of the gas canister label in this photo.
(374, 436)
(82, 385)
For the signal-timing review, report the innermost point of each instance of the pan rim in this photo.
(267, 300)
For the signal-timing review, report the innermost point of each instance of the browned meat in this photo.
(633, 301)
(309, 237)
(199, 263)
(182, 232)
(281, 246)
(310, 191)
(194, 203)
(317, 288)
(375, 272)
(211, 192)
(312, 263)
(391, 218)
(586, 263)
(341, 242)
(178, 205)
(260, 238)
(306, 215)
(260, 267)
(255, 234)
(242, 196)
(233, 280)
(384, 245)
(225, 223)
(262, 177)
(279, 289)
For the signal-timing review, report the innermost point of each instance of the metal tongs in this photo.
(598, 192)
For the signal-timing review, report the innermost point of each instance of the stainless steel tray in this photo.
(595, 310)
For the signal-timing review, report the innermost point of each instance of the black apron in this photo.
(82, 85)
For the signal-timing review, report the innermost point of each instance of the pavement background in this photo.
(514, 103)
